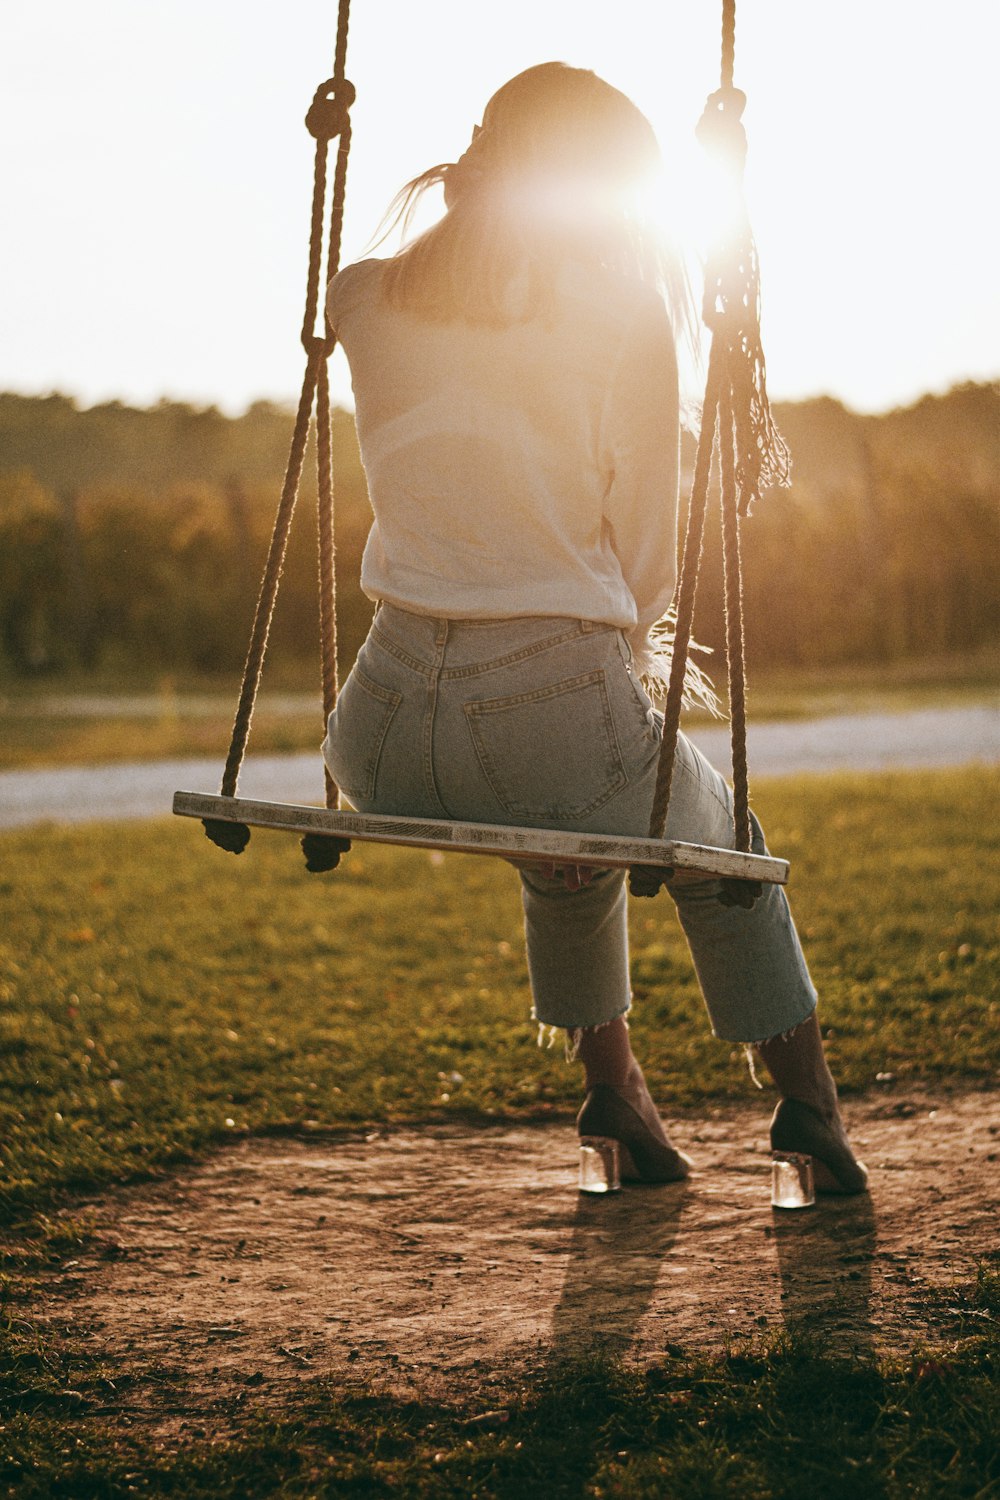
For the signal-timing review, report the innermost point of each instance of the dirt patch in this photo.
(449, 1263)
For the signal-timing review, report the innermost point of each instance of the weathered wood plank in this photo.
(543, 844)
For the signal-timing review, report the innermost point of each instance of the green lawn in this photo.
(158, 997)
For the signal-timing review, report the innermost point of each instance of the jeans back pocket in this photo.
(356, 734)
(550, 755)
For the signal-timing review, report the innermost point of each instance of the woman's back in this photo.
(513, 469)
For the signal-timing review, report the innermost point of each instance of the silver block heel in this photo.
(792, 1180)
(600, 1164)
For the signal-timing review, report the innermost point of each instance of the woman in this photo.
(517, 407)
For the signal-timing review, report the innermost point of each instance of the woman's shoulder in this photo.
(354, 285)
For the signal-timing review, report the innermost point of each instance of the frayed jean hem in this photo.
(548, 1034)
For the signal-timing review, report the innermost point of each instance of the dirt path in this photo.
(451, 1262)
(848, 742)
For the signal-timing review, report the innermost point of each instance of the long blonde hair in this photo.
(555, 172)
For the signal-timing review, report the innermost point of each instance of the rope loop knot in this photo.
(646, 880)
(232, 837)
(323, 851)
(318, 346)
(720, 128)
(328, 114)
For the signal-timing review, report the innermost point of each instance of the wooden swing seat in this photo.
(736, 421)
(542, 845)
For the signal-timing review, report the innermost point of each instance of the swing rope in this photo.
(328, 119)
(738, 430)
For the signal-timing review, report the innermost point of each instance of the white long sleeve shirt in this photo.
(530, 470)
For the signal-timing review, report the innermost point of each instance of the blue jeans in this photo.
(541, 722)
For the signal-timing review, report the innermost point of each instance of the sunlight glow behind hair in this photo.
(189, 283)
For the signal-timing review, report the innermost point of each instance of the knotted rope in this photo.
(328, 119)
(737, 425)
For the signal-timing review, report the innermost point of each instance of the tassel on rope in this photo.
(731, 309)
(738, 427)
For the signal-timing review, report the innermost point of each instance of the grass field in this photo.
(158, 997)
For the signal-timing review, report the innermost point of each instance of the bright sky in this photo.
(156, 174)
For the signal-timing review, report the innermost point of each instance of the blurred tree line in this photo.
(887, 544)
(134, 539)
